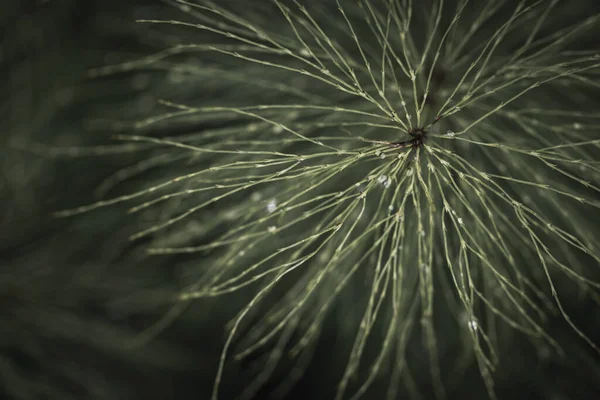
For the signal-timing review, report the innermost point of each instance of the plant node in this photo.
(419, 138)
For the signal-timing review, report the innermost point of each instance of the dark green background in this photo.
(63, 326)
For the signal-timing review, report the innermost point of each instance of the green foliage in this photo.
(423, 173)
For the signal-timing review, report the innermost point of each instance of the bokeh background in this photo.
(74, 295)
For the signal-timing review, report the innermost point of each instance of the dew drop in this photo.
(271, 205)
(450, 134)
(473, 325)
(385, 180)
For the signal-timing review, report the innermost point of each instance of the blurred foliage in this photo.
(78, 300)
(61, 335)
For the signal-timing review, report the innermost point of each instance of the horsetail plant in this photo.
(397, 166)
